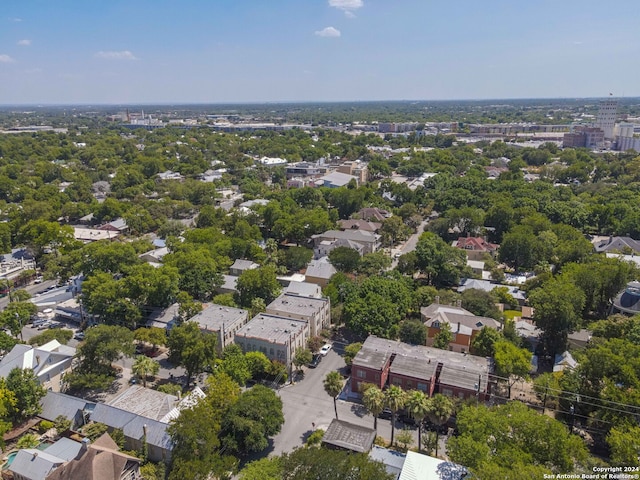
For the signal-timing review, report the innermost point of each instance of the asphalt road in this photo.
(32, 289)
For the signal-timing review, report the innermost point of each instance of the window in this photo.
(271, 352)
(422, 386)
(447, 392)
(409, 384)
(436, 324)
(361, 374)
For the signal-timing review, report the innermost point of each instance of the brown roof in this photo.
(359, 225)
(101, 461)
(476, 243)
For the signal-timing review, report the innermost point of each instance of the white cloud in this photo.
(347, 6)
(4, 58)
(123, 55)
(24, 43)
(15, 19)
(328, 32)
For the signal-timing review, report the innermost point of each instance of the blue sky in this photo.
(213, 51)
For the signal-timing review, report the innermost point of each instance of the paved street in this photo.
(306, 402)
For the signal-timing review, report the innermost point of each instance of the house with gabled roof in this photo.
(476, 247)
(464, 325)
(48, 362)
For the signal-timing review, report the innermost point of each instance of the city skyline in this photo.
(322, 51)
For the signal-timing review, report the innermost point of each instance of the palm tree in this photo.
(144, 366)
(417, 406)
(440, 409)
(394, 398)
(333, 386)
(373, 399)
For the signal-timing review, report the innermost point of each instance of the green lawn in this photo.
(509, 314)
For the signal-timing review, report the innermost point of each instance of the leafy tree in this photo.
(480, 303)
(144, 366)
(303, 356)
(413, 331)
(557, 306)
(394, 399)
(393, 231)
(315, 344)
(483, 344)
(512, 362)
(16, 315)
(418, 406)
(296, 258)
(374, 263)
(198, 269)
(441, 263)
(170, 388)
(444, 337)
(350, 352)
(378, 304)
(105, 256)
(405, 438)
(196, 432)
(61, 424)
(258, 364)
(263, 469)
(7, 342)
(103, 345)
(333, 384)
(624, 442)
(191, 348)
(27, 392)
(235, 365)
(374, 400)
(520, 248)
(189, 308)
(258, 283)
(256, 416)
(512, 437)
(62, 335)
(325, 464)
(601, 279)
(344, 259)
(153, 335)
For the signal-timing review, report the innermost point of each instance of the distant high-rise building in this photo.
(606, 118)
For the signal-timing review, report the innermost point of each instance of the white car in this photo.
(325, 349)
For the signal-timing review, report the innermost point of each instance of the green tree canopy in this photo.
(191, 348)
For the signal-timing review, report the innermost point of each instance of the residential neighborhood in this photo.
(368, 293)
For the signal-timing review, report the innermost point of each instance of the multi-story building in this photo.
(582, 136)
(606, 119)
(314, 311)
(277, 337)
(221, 320)
(464, 325)
(384, 362)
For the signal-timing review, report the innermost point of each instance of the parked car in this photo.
(315, 361)
(79, 336)
(39, 279)
(386, 413)
(38, 322)
(56, 325)
(45, 325)
(325, 349)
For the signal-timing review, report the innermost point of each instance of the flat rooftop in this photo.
(145, 402)
(214, 317)
(271, 328)
(296, 305)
